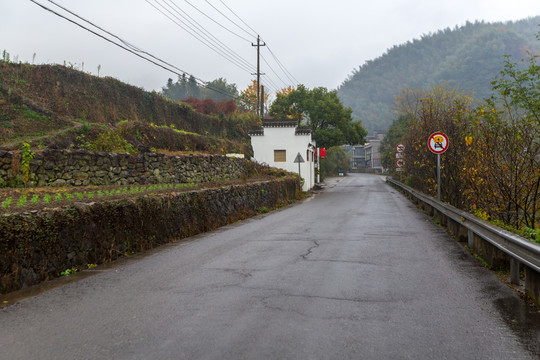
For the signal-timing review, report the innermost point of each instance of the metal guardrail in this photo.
(519, 249)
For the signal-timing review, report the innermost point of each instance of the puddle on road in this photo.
(522, 319)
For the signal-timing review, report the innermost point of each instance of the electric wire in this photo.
(223, 26)
(278, 62)
(269, 88)
(197, 36)
(125, 47)
(239, 18)
(226, 17)
(272, 69)
(201, 28)
(131, 46)
(271, 85)
(285, 71)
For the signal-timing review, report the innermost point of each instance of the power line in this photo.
(226, 17)
(209, 35)
(285, 71)
(134, 52)
(131, 46)
(226, 51)
(198, 37)
(239, 18)
(278, 62)
(270, 67)
(223, 26)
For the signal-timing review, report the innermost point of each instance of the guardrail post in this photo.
(520, 251)
(514, 271)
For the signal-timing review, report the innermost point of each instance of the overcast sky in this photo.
(318, 42)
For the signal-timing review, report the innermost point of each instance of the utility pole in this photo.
(259, 101)
(262, 101)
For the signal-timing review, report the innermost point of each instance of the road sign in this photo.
(400, 155)
(438, 142)
(299, 159)
(400, 163)
(400, 148)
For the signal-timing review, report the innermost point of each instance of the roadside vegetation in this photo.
(492, 166)
(60, 107)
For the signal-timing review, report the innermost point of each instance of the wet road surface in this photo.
(356, 272)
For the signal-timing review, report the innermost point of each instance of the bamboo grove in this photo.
(492, 166)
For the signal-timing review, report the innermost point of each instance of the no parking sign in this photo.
(438, 142)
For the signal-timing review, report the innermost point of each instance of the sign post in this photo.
(438, 144)
(299, 160)
(318, 165)
(400, 156)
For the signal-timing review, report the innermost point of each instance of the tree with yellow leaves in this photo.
(247, 100)
(441, 108)
(503, 165)
(286, 91)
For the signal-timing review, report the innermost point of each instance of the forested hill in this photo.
(467, 57)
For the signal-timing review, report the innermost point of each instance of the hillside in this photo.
(53, 106)
(467, 57)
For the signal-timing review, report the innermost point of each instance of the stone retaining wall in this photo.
(80, 168)
(38, 246)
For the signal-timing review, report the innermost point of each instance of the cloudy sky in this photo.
(315, 42)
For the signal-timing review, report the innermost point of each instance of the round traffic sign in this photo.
(400, 148)
(438, 142)
(400, 163)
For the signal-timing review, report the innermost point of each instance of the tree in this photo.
(176, 91)
(286, 90)
(442, 108)
(492, 166)
(219, 90)
(503, 165)
(322, 110)
(394, 136)
(184, 88)
(192, 87)
(209, 106)
(336, 161)
(247, 100)
(466, 57)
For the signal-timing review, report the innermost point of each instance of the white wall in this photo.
(284, 138)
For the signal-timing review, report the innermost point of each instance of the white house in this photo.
(278, 143)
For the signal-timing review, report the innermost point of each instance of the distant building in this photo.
(278, 143)
(366, 157)
(375, 141)
(361, 156)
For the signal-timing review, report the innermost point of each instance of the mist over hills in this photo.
(467, 57)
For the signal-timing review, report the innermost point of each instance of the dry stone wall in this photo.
(80, 168)
(39, 245)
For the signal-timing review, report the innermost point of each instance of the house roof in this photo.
(279, 123)
(302, 131)
(269, 122)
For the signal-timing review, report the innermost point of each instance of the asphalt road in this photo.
(356, 272)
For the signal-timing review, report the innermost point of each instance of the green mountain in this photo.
(466, 57)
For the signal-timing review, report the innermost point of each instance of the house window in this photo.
(280, 155)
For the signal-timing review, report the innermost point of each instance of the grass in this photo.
(39, 197)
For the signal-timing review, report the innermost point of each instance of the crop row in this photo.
(25, 200)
